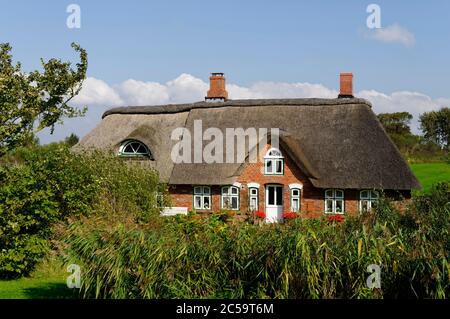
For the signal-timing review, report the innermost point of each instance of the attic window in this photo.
(133, 148)
(273, 162)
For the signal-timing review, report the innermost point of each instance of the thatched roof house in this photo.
(333, 155)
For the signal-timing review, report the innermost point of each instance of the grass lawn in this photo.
(47, 281)
(431, 173)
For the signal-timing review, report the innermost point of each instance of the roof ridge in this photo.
(178, 108)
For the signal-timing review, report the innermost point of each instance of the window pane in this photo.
(206, 190)
(197, 190)
(128, 149)
(225, 190)
(295, 205)
(279, 167)
(234, 202)
(364, 195)
(269, 166)
(279, 196)
(329, 206)
(206, 202)
(226, 202)
(329, 193)
(295, 192)
(339, 206)
(197, 202)
(253, 203)
(234, 190)
(275, 153)
(271, 192)
(339, 194)
(141, 149)
(364, 206)
(253, 191)
(374, 194)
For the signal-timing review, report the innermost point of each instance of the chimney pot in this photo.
(346, 85)
(217, 89)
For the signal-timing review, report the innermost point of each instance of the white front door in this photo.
(274, 203)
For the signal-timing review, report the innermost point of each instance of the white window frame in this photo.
(135, 153)
(202, 192)
(297, 198)
(230, 195)
(334, 195)
(253, 197)
(372, 197)
(273, 159)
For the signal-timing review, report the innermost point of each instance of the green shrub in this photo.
(42, 186)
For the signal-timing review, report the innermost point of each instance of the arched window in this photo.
(253, 198)
(134, 148)
(295, 200)
(273, 162)
(230, 197)
(367, 200)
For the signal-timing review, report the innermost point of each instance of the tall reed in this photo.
(184, 257)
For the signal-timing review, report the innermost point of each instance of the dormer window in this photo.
(273, 162)
(134, 148)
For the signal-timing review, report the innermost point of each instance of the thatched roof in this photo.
(338, 143)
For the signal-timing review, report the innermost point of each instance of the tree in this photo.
(436, 126)
(32, 101)
(396, 123)
(71, 140)
(397, 127)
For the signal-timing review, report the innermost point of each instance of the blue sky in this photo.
(251, 41)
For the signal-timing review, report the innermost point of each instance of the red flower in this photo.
(290, 215)
(336, 218)
(260, 214)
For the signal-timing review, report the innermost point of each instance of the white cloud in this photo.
(186, 88)
(99, 96)
(401, 101)
(97, 92)
(393, 34)
(134, 92)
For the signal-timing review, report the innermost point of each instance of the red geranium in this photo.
(260, 214)
(290, 215)
(336, 218)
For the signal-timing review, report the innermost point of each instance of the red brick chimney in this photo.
(346, 89)
(217, 90)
